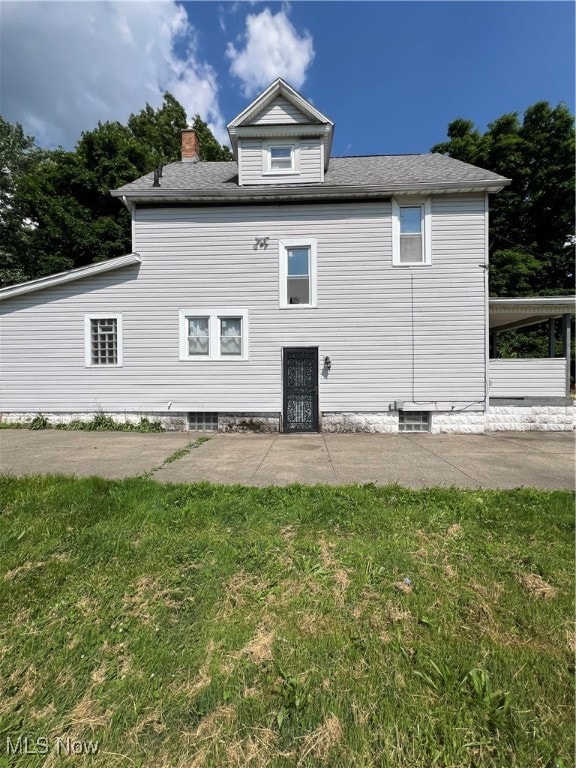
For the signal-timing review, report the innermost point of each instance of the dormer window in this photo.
(280, 158)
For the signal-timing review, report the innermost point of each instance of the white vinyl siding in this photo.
(415, 335)
(544, 377)
(254, 161)
(280, 111)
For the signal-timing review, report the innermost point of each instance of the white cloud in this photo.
(66, 66)
(273, 48)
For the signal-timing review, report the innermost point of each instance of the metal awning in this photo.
(507, 313)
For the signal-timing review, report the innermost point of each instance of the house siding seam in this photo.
(392, 333)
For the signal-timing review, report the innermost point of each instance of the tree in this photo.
(160, 130)
(210, 149)
(532, 220)
(56, 211)
(19, 156)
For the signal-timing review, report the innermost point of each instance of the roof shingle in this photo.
(374, 170)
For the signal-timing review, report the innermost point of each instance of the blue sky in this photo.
(391, 75)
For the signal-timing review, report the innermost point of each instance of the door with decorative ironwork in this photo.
(300, 389)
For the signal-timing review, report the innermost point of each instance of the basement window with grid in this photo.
(204, 422)
(414, 421)
(103, 340)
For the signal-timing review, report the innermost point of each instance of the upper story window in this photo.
(411, 233)
(297, 273)
(281, 158)
(214, 334)
(103, 339)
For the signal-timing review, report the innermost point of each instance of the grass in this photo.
(197, 625)
(100, 422)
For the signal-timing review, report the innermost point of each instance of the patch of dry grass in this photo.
(208, 627)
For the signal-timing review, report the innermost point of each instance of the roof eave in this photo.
(69, 276)
(321, 191)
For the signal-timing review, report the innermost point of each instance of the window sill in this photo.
(413, 264)
(230, 359)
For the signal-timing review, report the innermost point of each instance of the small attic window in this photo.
(281, 158)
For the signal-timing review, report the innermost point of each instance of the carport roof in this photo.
(508, 313)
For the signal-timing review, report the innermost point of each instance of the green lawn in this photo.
(199, 625)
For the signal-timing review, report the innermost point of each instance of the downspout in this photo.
(132, 208)
(486, 305)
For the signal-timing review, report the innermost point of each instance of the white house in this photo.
(287, 290)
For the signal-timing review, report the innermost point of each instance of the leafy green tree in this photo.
(19, 157)
(210, 149)
(56, 211)
(159, 131)
(532, 220)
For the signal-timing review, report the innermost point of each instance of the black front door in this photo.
(301, 389)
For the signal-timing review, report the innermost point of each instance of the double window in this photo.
(103, 339)
(411, 232)
(297, 273)
(214, 334)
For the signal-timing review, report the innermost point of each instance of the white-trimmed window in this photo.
(411, 232)
(298, 285)
(215, 333)
(103, 339)
(280, 158)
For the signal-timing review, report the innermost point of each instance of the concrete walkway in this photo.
(495, 460)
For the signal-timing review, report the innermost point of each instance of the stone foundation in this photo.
(379, 421)
(539, 418)
(171, 422)
(543, 418)
(249, 422)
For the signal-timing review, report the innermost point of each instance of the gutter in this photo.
(308, 193)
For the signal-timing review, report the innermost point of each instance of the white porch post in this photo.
(552, 337)
(566, 346)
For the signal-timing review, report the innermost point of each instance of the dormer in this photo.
(280, 138)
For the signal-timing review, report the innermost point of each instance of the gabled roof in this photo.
(244, 122)
(278, 88)
(69, 276)
(347, 178)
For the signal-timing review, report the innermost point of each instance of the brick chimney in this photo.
(190, 146)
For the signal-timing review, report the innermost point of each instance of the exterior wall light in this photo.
(261, 242)
(327, 362)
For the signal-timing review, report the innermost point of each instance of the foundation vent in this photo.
(414, 421)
